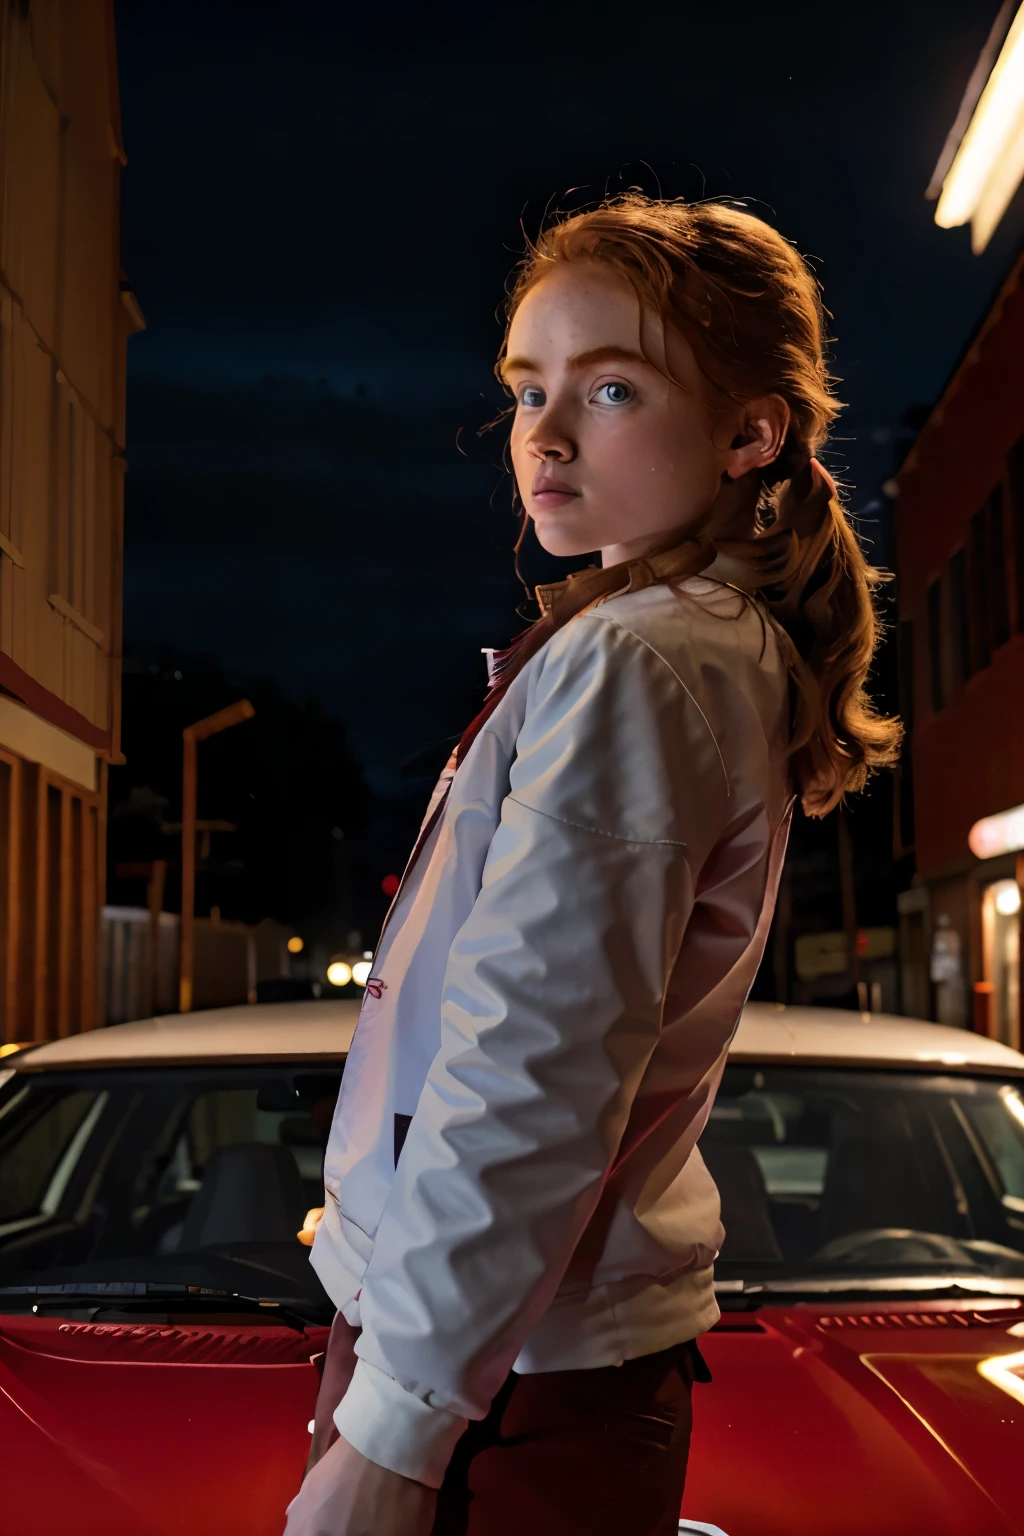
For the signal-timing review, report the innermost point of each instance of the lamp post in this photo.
(234, 714)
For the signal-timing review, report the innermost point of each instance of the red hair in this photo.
(751, 309)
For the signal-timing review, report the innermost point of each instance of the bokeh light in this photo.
(339, 973)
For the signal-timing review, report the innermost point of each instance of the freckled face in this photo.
(608, 453)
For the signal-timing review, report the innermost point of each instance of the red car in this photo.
(160, 1323)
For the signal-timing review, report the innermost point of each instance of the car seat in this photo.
(251, 1193)
(746, 1213)
(880, 1182)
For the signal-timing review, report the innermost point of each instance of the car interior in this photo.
(805, 1162)
(103, 1168)
(192, 1171)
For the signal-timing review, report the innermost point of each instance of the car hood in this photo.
(818, 1419)
(149, 1428)
(902, 1421)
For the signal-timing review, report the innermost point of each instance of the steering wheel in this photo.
(892, 1246)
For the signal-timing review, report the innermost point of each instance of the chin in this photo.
(562, 541)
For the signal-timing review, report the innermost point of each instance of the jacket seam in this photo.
(351, 1220)
(617, 837)
(607, 618)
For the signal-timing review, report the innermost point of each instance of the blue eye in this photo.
(615, 393)
(531, 397)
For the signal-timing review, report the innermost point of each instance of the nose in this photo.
(549, 437)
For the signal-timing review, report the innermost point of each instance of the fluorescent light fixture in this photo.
(993, 835)
(988, 167)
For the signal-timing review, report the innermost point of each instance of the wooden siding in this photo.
(63, 331)
(65, 318)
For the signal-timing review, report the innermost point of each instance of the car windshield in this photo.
(203, 1175)
(854, 1174)
(197, 1175)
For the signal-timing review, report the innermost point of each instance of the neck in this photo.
(637, 549)
(615, 554)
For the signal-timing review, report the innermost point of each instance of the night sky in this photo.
(320, 207)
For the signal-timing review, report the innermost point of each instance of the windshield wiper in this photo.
(295, 1311)
(830, 1285)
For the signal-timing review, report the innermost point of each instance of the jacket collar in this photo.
(564, 599)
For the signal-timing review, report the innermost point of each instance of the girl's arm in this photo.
(552, 1006)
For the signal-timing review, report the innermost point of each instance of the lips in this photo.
(549, 492)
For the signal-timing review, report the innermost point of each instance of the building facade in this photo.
(65, 317)
(960, 532)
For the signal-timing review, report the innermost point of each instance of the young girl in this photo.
(519, 1231)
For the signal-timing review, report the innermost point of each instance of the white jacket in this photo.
(558, 981)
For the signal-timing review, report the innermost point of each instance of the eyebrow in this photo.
(577, 361)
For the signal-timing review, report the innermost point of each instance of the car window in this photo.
(227, 1117)
(153, 1167)
(822, 1169)
(40, 1147)
(998, 1122)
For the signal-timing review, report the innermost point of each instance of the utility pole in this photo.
(234, 714)
(155, 902)
(847, 886)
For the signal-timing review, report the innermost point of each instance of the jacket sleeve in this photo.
(551, 1008)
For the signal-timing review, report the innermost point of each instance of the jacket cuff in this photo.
(388, 1425)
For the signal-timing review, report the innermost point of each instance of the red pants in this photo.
(567, 1453)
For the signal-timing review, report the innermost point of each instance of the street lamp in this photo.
(339, 973)
(234, 714)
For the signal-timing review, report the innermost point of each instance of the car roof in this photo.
(314, 1030)
(776, 1032)
(322, 1031)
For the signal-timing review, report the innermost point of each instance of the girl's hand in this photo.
(309, 1226)
(347, 1495)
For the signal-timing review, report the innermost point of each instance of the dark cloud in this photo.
(320, 208)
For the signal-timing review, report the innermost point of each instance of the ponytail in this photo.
(810, 574)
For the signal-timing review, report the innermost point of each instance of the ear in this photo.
(760, 434)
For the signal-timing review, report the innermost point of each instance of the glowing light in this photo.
(311, 1426)
(1005, 1372)
(295, 945)
(389, 885)
(1007, 898)
(989, 164)
(1014, 1103)
(361, 972)
(993, 835)
(339, 973)
(9, 1050)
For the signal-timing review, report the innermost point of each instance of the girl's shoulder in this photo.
(697, 619)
